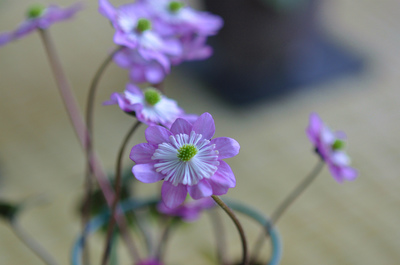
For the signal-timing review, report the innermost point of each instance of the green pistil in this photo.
(338, 144)
(143, 24)
(175, 6)
(152, 96)
(35, 11)
(187, 152)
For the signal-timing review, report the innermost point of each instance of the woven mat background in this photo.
(353, 223)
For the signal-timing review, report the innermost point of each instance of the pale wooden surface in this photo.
(350, 224)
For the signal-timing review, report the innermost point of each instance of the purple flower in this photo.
(177, 18)
(151, 261)
(40, 17)
(189, 26)
(186, 159)
(329, 146)
(141, 70)
(190, 211)
(150, 106)
(134, 30)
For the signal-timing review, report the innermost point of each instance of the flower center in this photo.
(187, 152)
(186, 159)
(143, 24)
(152, 96)
(338, 145)
(175, 6)
(35, 11)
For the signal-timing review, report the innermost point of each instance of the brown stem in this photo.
(239, 227)
(219, 236)
(114, 213)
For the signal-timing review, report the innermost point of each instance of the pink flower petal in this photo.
(146, 173)
(227, 147)
(157, 135)
(205, 126)
(106, 9)
(142, 153)
(201, 190)
(173, 196)
(223, 179)
(181, 126)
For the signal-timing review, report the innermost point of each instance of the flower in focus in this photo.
(190, 211)
(149, 106)
(329, 146)
(151, 261)
(186, 158)
(40, 17)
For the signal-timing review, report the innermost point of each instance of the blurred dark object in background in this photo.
(270, 47)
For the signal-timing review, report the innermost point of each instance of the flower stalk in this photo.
(239, 227)
(114, 213)
(31, 243)
(284, 205)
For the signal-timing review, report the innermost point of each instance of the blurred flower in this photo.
(151, 261)
(141, 70)
(186, 159)
(190, 211)
(191, 27)
(40, 17)
(179, 19)
(134, 30)
(329, 146)
(149, 107)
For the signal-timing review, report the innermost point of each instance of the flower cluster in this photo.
(155, 34)
(180, 150)
(329, 146)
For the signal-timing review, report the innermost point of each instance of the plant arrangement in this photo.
(180, 152)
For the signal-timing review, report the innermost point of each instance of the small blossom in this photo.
(149, 107)
(40, 17)
(329, 146)
(190, 211)
(186, 159)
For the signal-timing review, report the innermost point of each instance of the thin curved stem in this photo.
(89, 113)
(114, 213)
(296, 193)
(89, 125)
(284, 205)
(239, 227)
(89, 147)
(160, 249)
(219, 236)
(31, 243)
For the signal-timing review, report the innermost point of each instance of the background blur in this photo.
(353, 223)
